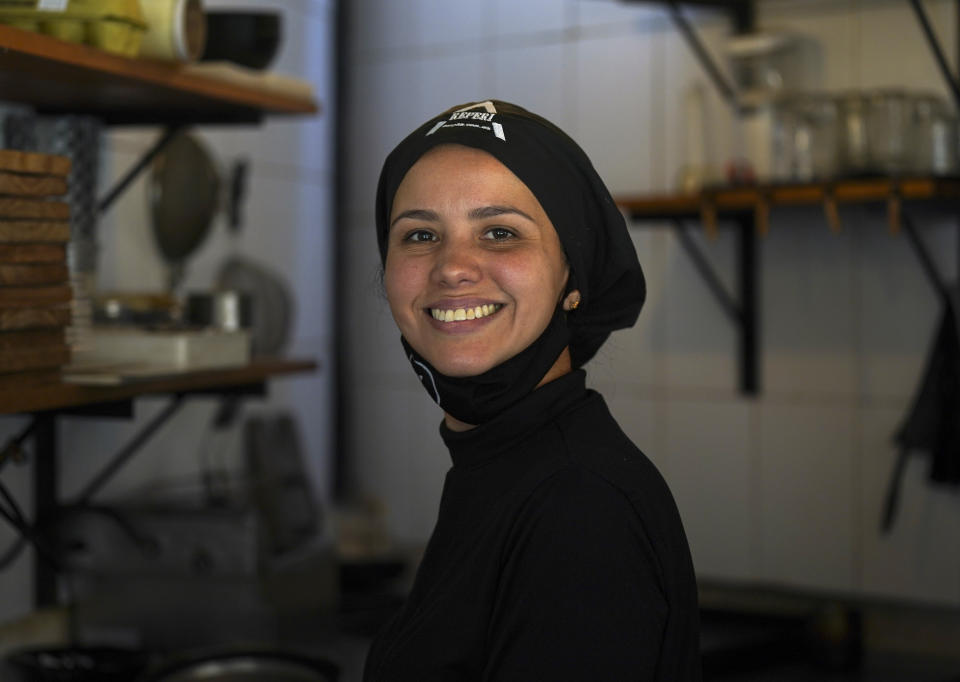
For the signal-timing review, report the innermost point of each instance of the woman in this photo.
(558, 553)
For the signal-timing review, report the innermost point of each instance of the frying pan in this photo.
(184, 197)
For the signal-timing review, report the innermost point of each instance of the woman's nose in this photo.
(456, 264)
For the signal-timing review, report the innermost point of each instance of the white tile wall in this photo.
(399, 456)
(615, 75)
(623, 16)
(459, 25)
(382, 26)
(385, 107)
(845, 319)
(807, 508)
(808, 311)
(709, 471)
(531, 17)
(535, 77)
(370, 331)
(452, 79)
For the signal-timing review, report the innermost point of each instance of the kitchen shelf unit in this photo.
(748, 208)
(54, 77)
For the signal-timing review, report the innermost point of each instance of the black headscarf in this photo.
(603, 262)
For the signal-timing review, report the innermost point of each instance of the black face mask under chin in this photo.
(477, 399)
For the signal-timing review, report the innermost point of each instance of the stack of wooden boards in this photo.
(35, 292)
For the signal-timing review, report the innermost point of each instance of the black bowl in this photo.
(247, 38)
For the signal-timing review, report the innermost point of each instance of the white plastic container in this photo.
(173, 350)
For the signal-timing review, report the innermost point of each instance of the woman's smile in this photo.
(462, 314)
(474, 268)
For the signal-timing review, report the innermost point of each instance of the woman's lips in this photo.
(446, 315)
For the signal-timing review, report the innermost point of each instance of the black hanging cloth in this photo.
(933, 424)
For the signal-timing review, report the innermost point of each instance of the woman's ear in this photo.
(571, 300)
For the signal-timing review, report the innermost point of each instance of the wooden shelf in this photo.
(58, 77)
(748, 199)
(62, 395)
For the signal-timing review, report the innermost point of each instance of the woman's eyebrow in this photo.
(416, 214)
(494, 211)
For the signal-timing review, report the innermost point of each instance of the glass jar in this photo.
(933, 136)
(806, 138)
(852, 133)
(888, 131)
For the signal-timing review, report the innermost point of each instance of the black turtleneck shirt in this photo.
(558, 554)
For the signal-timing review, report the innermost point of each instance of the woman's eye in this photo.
(499, 234)
(419, 236)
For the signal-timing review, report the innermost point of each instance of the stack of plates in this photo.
(35, 292)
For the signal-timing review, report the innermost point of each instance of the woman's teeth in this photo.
(460, 314)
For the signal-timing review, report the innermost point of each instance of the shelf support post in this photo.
(747, 285)
(45, 501)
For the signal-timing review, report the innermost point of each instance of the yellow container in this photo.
(112, 25)
(71, 30)
(119, 37)
(22, 24)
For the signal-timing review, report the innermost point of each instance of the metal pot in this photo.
(245, 666)
(227, 310)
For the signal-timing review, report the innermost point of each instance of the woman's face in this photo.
(474, 267)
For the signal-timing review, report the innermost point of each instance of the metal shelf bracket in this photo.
(742, 308)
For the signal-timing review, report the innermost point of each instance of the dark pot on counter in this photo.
(74, 664)
(243, 665)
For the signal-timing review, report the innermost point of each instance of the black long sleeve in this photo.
(579, 596)
(558, 555)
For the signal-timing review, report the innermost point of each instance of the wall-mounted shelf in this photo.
(58, 77)
(748, 209)
(731, 200)
(60, 396)
(46, 402)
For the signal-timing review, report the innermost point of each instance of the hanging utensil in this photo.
(184, 197)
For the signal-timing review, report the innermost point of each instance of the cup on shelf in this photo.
(177, 30)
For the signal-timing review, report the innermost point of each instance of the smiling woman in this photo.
(558, 552)
(469, 235)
